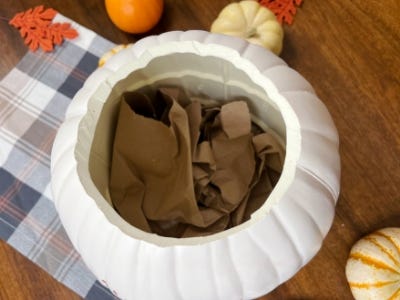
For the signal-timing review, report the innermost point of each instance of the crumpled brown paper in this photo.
(181, 168)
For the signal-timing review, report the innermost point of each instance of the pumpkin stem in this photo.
(251, 33)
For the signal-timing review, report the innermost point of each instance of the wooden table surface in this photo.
(349, 51)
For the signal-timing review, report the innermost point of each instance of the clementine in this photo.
(134, 16)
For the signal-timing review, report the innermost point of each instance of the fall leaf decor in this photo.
(283, 9)
(36, 27)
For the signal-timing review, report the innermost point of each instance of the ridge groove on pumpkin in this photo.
(60, 148)
(383, 249)
(212, 271)
(197, 35)
(168, 36)
(109, 254)
(310, 217)
(317, 118)
(259, 62)
(138, 274)
(233, 285)
(150, 281)
(395, 295)
(267, 255)
(83, 217)
(91, 225)
(366, 285)
(142, 45)
(316, 131)
(259, 16)
(330, 190)
(75, 108)
(332, 141)
(289, 80)
(174, 272)
(130, 48)
(243, 14)
(235, 43)
(230, 250)
(279, 220)
(318, 147)
(373, 262)
(67, 174)
(390, 239)
(95, 80)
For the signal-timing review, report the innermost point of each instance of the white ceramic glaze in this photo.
(244, 262)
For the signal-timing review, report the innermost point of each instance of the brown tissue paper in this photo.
(182, 168)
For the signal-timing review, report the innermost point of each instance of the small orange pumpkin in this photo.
(134, 16)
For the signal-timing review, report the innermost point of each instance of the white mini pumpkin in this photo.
(106, 56)
(250, 20)
(244, 262)
(373, 267)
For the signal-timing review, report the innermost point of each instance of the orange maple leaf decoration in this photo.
(36, 27)
(284, 10)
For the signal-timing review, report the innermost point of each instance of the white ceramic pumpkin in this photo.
(252, 21)
(373, 267)
(243, 262)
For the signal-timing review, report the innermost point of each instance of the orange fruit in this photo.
(134, 16)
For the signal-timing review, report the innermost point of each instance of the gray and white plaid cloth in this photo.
(33, 99)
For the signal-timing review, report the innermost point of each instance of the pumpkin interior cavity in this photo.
(204, 76)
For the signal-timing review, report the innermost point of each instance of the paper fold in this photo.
(181, 168)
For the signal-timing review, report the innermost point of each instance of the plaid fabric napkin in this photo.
(33, 99)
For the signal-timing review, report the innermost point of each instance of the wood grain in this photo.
(349, 51)
(21, 279)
